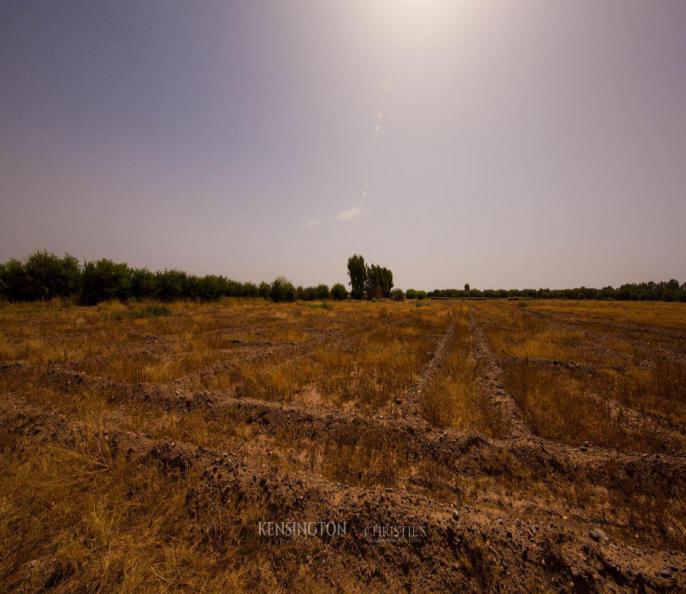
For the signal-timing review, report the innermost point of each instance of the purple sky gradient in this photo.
(505, 144)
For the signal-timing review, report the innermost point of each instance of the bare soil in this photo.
(522, 512)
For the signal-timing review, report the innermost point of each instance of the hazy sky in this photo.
(504, 144)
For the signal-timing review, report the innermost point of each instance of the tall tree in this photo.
(379, 281)
(386, 281)
(357, 271)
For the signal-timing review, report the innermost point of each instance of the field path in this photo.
(490, 383)
(409, 405)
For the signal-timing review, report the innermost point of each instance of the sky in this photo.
(536, 143)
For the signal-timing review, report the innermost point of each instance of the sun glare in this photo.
(417, 20)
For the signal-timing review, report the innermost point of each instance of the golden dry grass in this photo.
(79, 519)
(649, 313)
(451, 399)
(566, 376)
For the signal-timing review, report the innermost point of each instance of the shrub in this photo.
(207, 288)
(282, 290)
(143, 284)
(338, 292)
(52, 276)
(397, 295)
(42, 276)
(264, 291)
(16, 282)
(413, 294)
(104, 280)
(172, 284)
(250, 290)
(322, 292)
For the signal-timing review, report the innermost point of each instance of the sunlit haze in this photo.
(504, 144)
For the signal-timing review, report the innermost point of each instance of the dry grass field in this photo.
(536, 446)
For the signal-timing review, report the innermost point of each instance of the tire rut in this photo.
(491, 385)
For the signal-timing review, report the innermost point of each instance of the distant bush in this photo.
(264, 290)
(397, 295)
(103, 280)
(319, 292)
(412, 294)
(143, 284)
(338, 292)
(249, 290)
(322, 292)
(282, 290)
(172, 284)
(53, 276)
(16, 283)
(43, 276)
(206, 288)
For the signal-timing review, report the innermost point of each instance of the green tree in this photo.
(42, 276)
(17, 285)
(282, 290)
(379, 281)
(250, 290)
(104, 280)
(357, 271)
(264, 290)
(373, 284)
(386, 282)
(338, 292)
(207, 288)
(52, 276)
(143, 284)
(172, 284)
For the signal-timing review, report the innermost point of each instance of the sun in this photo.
(408, 20)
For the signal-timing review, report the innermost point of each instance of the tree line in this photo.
(44, 276)
(651, 291)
